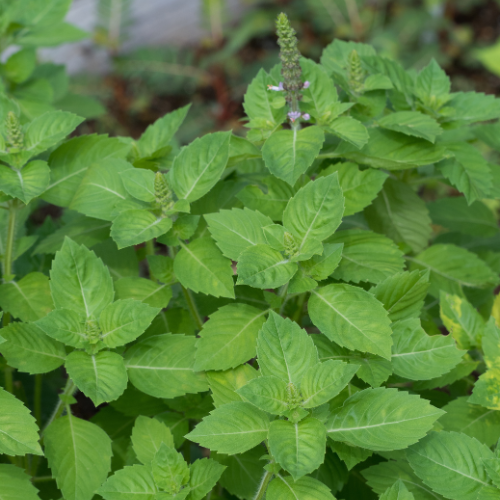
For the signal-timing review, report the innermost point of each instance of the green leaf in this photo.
(28, 299)
(229, 337)
(350, 455)
(289, 153)
(401, 79)
(352, 318)
(170, 471)
(147, 436)
(260, 266)
(473, 107)
(468, 171)
(374, 370)
(315, 212)
(20, 65)
(359, 187)
(433, 86)
(397, 491)
(66, 326)
(401, 215)
(162, 268)
(366, 256)
(232, 428)
(462, 320)
(17, 427)
(27, 183)
(472, 419)
(139, 183)
(305, 488)
(144, 290)
(236, 230)
(452, 267)
(73, 445)
(129, 483)
(321, 266)
(201, 267)
(492, 466)
(418, 356)
(162, 366)
(199, 166)
(487, 389)
(102, 377)
(350, 130)
(79, 280)
(324, 381)
(161, 132)
(16, 484)
(299, 448)
(456, 215)
(225, 384)
(393, 151)
(382, 420)
(136, 226)
(451, 464)
(267, 393)
(29, 350)
(403, 294)
(285, 350)
(412, 123)
(205, 473)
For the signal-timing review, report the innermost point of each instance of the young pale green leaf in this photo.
(451, 464)
(260, 266)
(324, 381)
(403, 294)
(418, 356)
(412, 123)
(487, 389)
(468, 171)
(382, 420)
(224, 385)
(271, 201)
(350, 130)
(267, 393)
(162, 366)
(26, 183)
(232, 428)
(452, 267)
(403, 81)
(456, 214)
(299, 448)
(359, 187)
(285, 350)
(143, 290)
(461, 319)
(201, 267)
(28, 299)
(28, 349)
(315, 212)
(321, 266)
(289, 153)
(471, 419)
(366, 256)
(136, 226)
(205, 473)
(147, 436)
(79, 280)
(139, 183)
(199, 166)
(433, 86)
(352, 318)
(161, 132)
(16, 484)
(305, 488)
(73, 445)
(17, 427)
(374, 370)
(236, 230)
(130, 483)
(124, 320)
(229, 337)
(401, 215)
(102, 377)
(397, 491)
(170, 471)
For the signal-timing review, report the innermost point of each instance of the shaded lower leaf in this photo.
(16, 484)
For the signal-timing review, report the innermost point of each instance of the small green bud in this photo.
(356, 73)
(163, 193)
(291, 247)
(15, 136)
(293, 396)
(92, 331)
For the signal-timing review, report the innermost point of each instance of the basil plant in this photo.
(309, 312)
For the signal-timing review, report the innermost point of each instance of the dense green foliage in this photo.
(280, 316)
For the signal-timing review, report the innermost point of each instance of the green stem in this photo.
(69, 389)
(37, 405)
(9, 378)
(263, 485)
(42, 479)
(300, 307)
(192, 307)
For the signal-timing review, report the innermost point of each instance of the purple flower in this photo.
(279, 88)
(306, 85)
(294, 115)
(306, 116)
